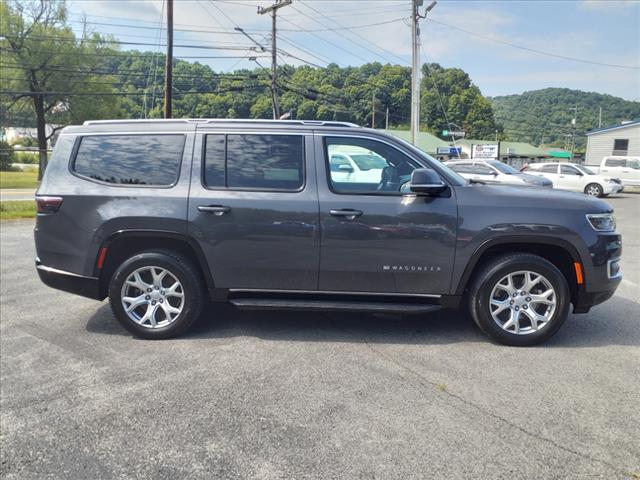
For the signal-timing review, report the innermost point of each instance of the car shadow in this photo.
(602, 326)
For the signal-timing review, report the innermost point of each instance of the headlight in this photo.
(602, 222)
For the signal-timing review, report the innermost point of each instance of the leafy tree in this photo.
(545, 116)
(45, 66)
(6, 155)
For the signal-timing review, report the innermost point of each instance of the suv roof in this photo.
(206, 121)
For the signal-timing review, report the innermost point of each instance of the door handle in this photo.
(347, 213)
(217, 210)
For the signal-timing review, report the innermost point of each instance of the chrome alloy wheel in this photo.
(152, 297)
(523, 302)
(593, 190)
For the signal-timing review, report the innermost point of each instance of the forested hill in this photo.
(544, 116)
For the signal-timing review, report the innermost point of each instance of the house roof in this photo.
(520, 149)
(559, 153)
(424, 141)
(632, 123)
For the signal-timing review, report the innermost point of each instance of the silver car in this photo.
(494, 171)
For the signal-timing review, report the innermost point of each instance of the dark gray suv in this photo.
(162, 216)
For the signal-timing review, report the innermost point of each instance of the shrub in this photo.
(6, 155)
(26, 157)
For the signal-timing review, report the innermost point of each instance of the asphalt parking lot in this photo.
(301, 395)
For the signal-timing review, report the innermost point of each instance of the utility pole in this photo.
(415, 65)
(168, 70)
(373, 109)
(274, 59)
(600, 118)
(386, 120)
(574, 120)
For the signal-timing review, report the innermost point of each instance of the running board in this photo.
(334, 305)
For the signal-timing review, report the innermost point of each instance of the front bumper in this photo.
(604, 274)
(69, 282)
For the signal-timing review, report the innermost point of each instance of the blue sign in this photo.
(451, 151)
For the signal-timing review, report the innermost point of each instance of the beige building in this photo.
(622, 140)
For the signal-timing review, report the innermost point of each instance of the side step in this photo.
(333, 305)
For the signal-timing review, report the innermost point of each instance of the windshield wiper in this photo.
(479, 182)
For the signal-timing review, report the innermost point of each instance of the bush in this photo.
(6, 156)
(26, 142)
(26, 157)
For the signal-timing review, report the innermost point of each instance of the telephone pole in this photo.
(415, 65)
(168, 70)
(274, 59)
(373, 110)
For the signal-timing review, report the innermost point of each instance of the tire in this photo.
(486, 296)
(163, 312)
(594, 189)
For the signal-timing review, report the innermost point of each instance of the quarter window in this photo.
(254, 162)
(130, 159)
(549, 169)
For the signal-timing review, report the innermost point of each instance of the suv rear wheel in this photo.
(156, 294)
(519, 299)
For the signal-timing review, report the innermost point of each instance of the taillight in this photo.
(48, 204)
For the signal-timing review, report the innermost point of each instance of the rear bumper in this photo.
(69, 282)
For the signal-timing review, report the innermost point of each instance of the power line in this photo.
(533, 50)
(106, 43)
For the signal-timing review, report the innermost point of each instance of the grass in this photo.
(19, 180)
(17, 209)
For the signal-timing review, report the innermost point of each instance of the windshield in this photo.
(503, 167)
(585, 170)
(369, 162)
(635, 164)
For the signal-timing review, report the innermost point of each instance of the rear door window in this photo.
(254, 162)
(152, 160)
(614, 162)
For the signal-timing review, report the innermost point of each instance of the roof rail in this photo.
(319, 123)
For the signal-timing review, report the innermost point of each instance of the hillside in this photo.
(544, 116)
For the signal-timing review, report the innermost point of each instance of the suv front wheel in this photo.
(156, 294)
(519, 299)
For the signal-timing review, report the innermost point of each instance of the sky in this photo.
(506, 46)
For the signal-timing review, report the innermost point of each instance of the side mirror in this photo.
(345, 168)
(427, 181)
(494, 173)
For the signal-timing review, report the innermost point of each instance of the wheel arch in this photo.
(125, 243)
(559, 252)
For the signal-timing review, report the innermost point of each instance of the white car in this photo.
(577, 178)
(627, 169)
(358, 167)
(495, 171)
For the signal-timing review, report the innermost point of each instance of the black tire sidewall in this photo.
(191, 287)
(480, 302)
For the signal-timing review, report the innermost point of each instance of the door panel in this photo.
(256, 239)
(383, 242)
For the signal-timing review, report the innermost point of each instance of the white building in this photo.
(622, 139)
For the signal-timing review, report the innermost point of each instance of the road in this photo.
(16, 194)
(300, 395)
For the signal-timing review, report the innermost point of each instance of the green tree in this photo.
(47, 67)
(6, 155)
